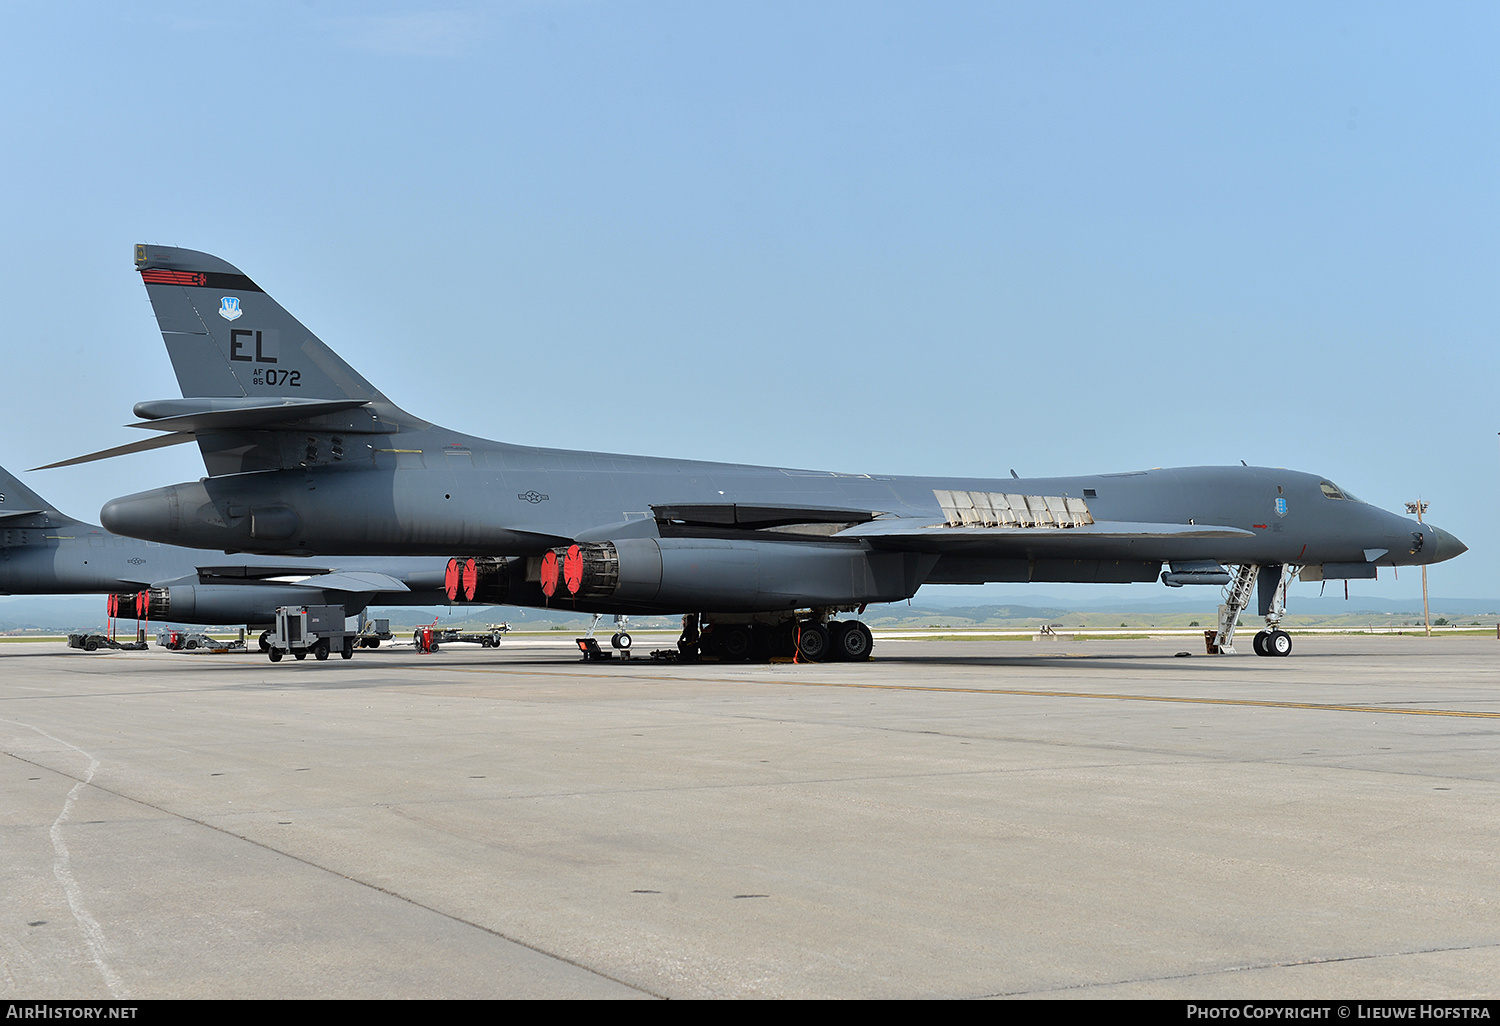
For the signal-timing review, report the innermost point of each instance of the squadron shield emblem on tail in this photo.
(229, 308)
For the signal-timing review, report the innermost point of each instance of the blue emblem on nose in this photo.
(229, 308)
(1280, 507)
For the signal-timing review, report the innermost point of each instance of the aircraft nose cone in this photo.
(1445, 545)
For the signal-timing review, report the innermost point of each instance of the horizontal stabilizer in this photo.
(205, 415)
(144, 445)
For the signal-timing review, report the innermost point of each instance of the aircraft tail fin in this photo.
(22, 507)
(227, 338)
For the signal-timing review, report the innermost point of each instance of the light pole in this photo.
(1419, 507)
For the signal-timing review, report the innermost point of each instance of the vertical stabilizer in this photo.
(22, 507)
(227, 338)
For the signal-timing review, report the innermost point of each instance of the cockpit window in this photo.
(1333, 491)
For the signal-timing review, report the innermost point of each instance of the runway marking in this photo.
(1012, 692)
(62, 868)
(91, 929)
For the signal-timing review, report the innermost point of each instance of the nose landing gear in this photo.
(1275, 642)
(1272, 581)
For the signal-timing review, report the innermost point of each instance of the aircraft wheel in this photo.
(621, 640)
(1260, 643)
(265, 641)
(813, 643)
(274, 654)
(852, 641)
(735, 643)
(1279, 643)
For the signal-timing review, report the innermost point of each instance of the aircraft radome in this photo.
(305, 457)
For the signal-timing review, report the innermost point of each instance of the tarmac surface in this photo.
(952, 819)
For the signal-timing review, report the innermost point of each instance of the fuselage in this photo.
(62, 556)
(436, 492)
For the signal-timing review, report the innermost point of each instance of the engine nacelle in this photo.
(231, 603)
(130, 605)
(728, 574)
(493, 580)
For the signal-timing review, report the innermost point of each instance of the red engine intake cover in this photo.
(549, 573)
(573, 569)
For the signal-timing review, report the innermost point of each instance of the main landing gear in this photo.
(619, 641)
(809, 639)
(1271, 582)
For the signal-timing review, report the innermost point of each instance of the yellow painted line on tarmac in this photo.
(1011, 692)
(1318, 706)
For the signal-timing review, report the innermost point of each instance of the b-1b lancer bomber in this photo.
(305, 456)
(43, 551)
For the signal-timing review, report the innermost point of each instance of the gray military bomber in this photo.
(43, 551)
(306, 457)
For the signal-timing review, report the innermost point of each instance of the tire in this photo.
(736, 643)
(190, 644)
(813, 643)
(1279, 644)
(320, 650)
(274, 654)
(300, 654)
(1260, 643)
(347, 651)
(852, 641)
(621, 640)
(265, 641)
(91, 645)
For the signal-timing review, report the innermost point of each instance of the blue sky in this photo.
(898, 238)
